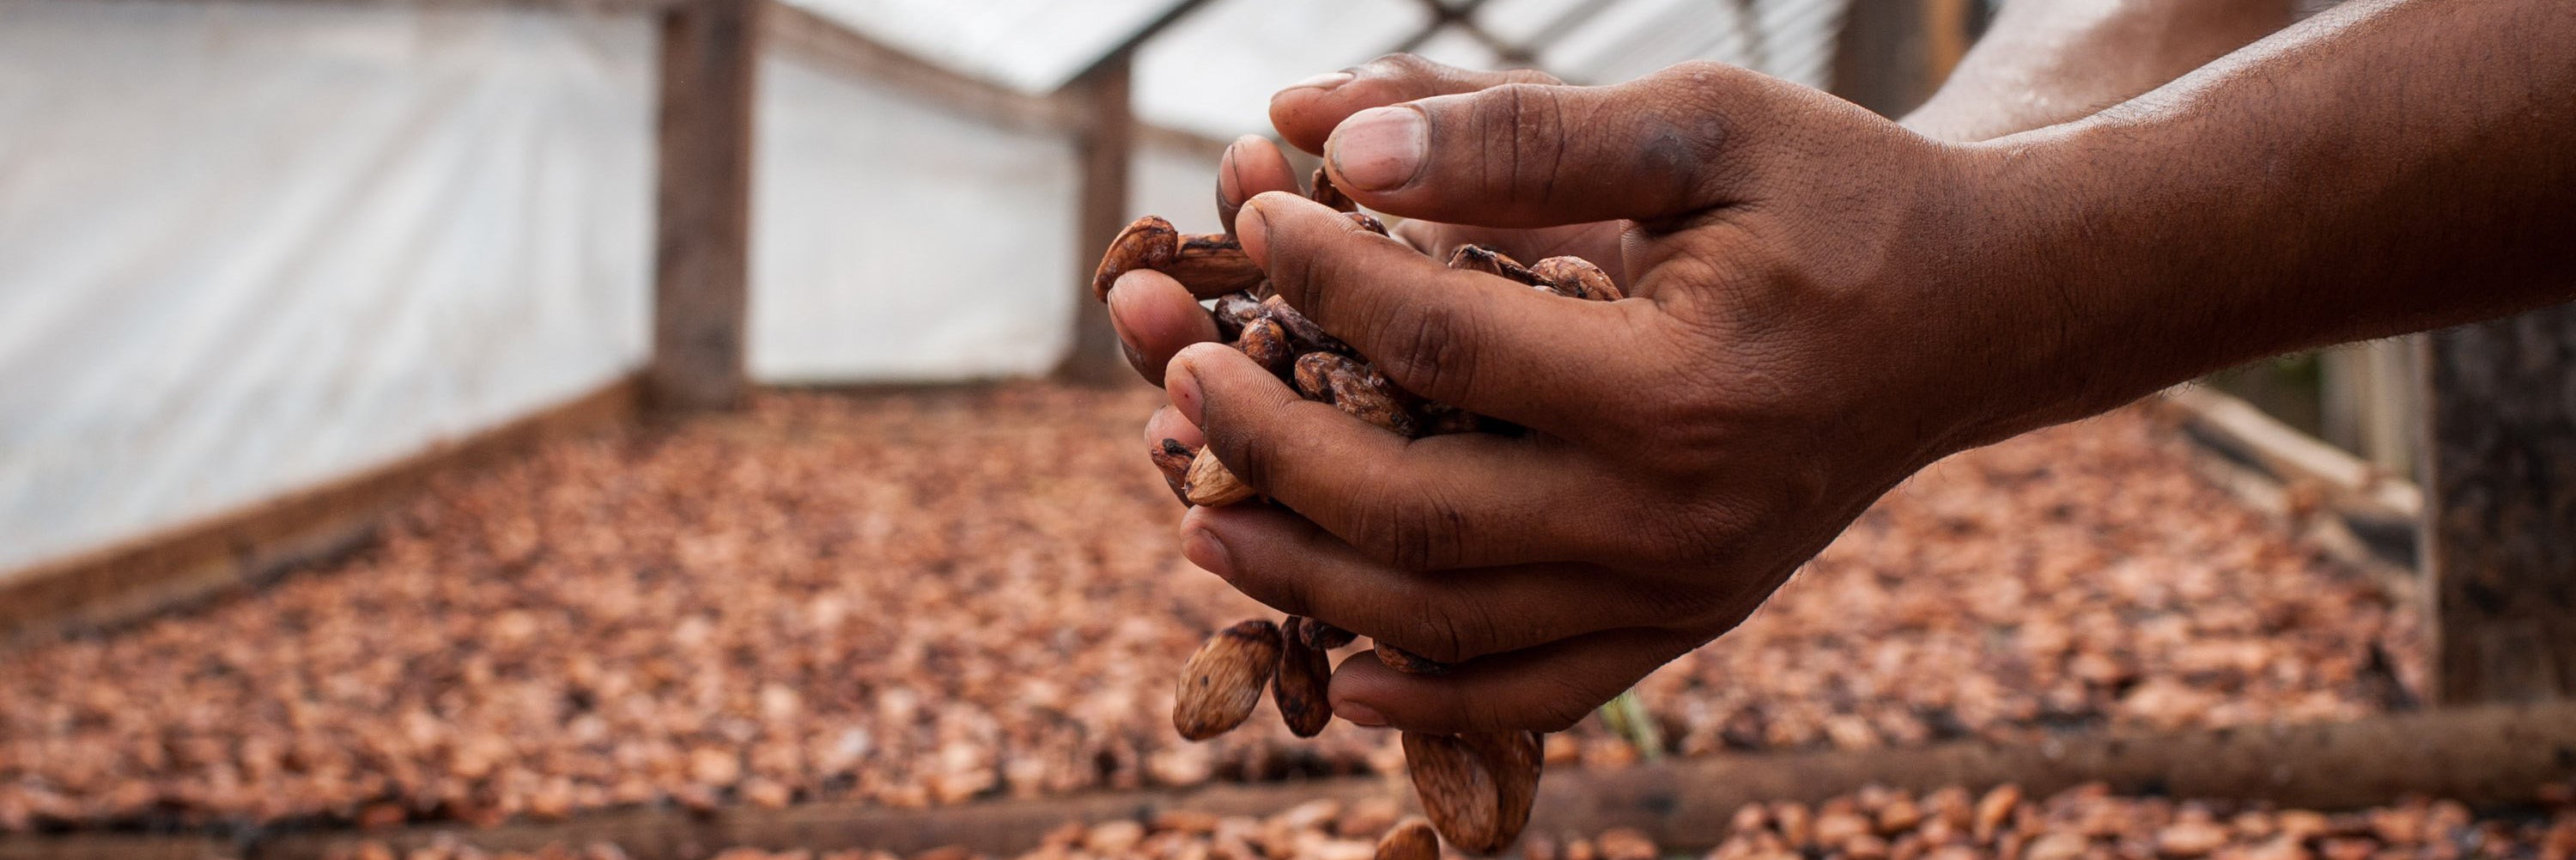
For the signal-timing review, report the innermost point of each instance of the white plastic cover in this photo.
(1034, 46)
(897, 240)
(249, 247)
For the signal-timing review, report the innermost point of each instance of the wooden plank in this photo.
(2492, 754)
(792, 30)
(192, 562)
(702, 254)
(1105, 149)
(2500, 541)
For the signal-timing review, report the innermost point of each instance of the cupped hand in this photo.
(1156, 317)
(1811, 318)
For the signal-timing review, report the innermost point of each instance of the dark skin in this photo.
(1822, 303)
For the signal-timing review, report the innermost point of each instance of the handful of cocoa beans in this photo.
(1476, 788)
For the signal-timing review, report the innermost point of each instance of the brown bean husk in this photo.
(1223, 681)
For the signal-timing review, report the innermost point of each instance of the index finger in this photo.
(1475, 341)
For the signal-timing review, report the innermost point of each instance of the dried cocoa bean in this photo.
(1367, 222)
(1406, 661)
(1358, 389)
(1266, 343)
(1299, 688)
(1441, 419)
(1512, 759)
(1173, 459)
(1324, 637)
(1210, 483)
(1212, 264)
(1223, 681)
(1577, 277)
(1146, 243)
(1478, 258)
(1455, 790)
(1321, 190)
(1410, 839)
(1232, 312)
(1304, 335)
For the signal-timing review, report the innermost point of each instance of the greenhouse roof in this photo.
(1212, 72)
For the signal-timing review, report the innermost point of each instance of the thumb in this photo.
(1536, 155)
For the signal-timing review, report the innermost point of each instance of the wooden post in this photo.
(2500, 524)
(1882, 56)
(1105, 147)
(703, 204)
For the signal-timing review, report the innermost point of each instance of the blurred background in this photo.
(629, 427)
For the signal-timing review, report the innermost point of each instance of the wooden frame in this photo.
(702, 258)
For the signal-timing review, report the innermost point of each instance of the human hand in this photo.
(1806, 328)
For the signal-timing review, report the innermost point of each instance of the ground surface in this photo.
(2086, 823)
(922, 599)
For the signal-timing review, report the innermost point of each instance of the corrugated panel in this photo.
(1213, 72)
(1034, 46)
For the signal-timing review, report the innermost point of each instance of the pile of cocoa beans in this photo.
(1476, 787)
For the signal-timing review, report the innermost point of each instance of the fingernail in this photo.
(1183, 385)
(1379, 148)
(1325, 81)
(1359, 713)
(1202, 548)
(1251, 229)
(1228, 191)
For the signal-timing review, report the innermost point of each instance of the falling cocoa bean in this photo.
(1406, 661)
(1577, 277)
(1223, 681)
(1173, 459)
(1321, 190)
(1456, 791)
(1147, 243)
(1410, 839)
(1266, 343)
(1210, 483)
(1305, 672)
(1512, 759)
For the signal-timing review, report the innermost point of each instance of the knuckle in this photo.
(1431, 347)
(1411, 535)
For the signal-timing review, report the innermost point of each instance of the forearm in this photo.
(2383, 168)
(2044, 62)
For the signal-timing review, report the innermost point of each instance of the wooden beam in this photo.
(2485, 755)
(794, 31)
(2500, 538)
(241, 549)
(710, 53)
(1105, 149)
(1882, 56)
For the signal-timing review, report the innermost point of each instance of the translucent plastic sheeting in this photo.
(1034, 46)
(897, 240)
(246, 248)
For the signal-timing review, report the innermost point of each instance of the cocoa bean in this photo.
(1358, 389)
(1266, 343)
(1210, 483)
(1325, 637)
(1441, 419)
(1173, 459)
(1406, 661)
(1455, 790)
(1212, 264)
(1146, 243)
(1222, 681)
(1478, 258)
(1410, 839)
(1577, 277)
(1299, 688)
(1513, 760)
(1321, 190)
(1303, 334)
(1232, 312)
(1367, 222)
